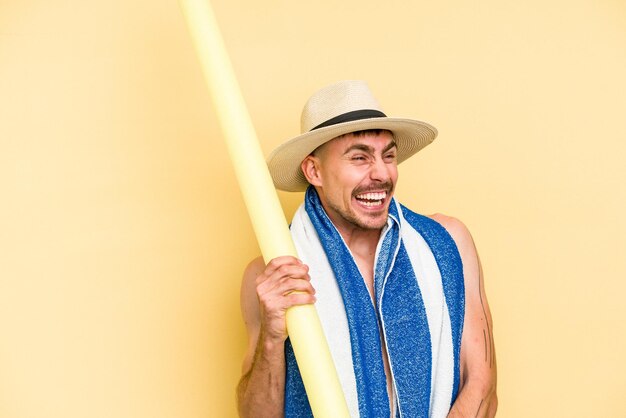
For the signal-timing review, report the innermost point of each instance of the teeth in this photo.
(371, 203)
(372, 196)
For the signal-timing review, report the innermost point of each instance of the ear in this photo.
(311, 169)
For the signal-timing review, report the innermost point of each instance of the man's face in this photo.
(355, 177)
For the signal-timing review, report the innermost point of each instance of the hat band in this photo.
(351, 116)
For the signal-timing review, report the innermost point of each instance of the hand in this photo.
(284, 283)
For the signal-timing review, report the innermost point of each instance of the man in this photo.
(400, 295)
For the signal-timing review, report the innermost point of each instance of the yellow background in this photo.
(123, 235)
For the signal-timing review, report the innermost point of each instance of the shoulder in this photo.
(465, 245)
(457, 230)
(248, 296)
(438, 223)
(250, 308)
(464, 242)
(248, 284)
(254, 268)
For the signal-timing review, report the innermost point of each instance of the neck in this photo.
(359, 238)
(361, 242)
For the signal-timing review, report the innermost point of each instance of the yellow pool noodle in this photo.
(268, 220)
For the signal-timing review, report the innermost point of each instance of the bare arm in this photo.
(477, 396)
(266, 294)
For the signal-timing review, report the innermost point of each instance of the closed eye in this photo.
(390, 156)
(358, 157)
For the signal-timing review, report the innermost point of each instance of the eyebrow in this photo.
(368, 149)
(392, 144)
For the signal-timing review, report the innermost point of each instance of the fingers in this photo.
(283, 276)
(280, 264)
(284, 283)
(298, 298)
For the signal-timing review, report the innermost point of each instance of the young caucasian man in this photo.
(400, 295)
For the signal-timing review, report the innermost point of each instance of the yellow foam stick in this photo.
(268, 220)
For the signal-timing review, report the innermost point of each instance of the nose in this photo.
(380, 170)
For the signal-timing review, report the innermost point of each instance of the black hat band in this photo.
(351, 116)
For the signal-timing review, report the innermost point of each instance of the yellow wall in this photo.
(123, 235)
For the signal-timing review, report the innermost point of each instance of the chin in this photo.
(376, 223)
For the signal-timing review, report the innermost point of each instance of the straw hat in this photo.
(341, 108)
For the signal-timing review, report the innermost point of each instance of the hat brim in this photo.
(284, 162)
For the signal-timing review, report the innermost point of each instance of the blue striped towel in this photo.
(418, 308)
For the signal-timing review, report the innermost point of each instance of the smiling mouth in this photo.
(371, 199)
